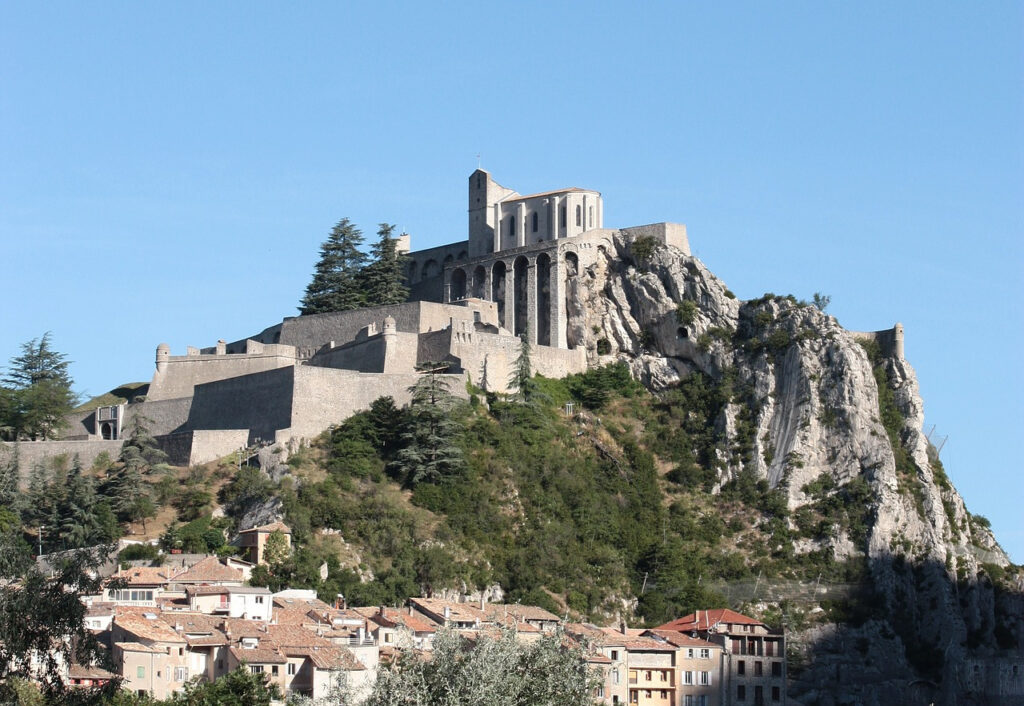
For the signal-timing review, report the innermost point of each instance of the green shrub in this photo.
(686, 312)
(642, 248)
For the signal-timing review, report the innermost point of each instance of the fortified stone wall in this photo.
(326, 396)
(177, 376)
(310, 333)
(890, 340)
(32, 452)
(162, 416)
(261, 403)
(673, 234)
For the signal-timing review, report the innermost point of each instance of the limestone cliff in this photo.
(813, 408)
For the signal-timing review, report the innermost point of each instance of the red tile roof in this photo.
(682, 639)
(703, 619)
(209, 570)
(272, 527)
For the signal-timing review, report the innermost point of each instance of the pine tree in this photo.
(429, 453)
(336, 285)
(37, 391)
(521, 379)
(383, 280)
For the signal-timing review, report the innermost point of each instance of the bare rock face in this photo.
(808, 406)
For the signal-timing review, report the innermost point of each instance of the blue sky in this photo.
(168, 171)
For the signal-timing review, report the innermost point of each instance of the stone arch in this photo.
(458, 290)
(544, 299)
(498, 270)
(410, 274)
(570, 289)
(430, 269)
(462, 255)
(521, 318)
(572, 264)
(107, 431)
(448, 260)
(479, 282)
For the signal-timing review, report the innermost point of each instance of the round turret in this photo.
(163, 354)
(897, 336)
(390, 327)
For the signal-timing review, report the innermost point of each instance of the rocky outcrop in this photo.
(807, 405)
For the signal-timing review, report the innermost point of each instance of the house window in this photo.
(256, 668)
(579, 216)
(647, 675)
(140, 672)
(615, 656)
(291, 668)
(705, 653)
(600, 692)
(534, 221)
(664, 676)
(388, 637)
(181, 674)
(758, 668)
(776, 669)
(741, 693)
(664, 694)
(688, 700)
(273, 670)
(776, 694)
(259, 599)
(689, 650)
(687, 677)
(705, 678)
(741, 667)
(615, 676)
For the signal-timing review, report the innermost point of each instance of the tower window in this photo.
(579, 216)
(534, 221)
(561, 217)
(591, 216)
(512, 226)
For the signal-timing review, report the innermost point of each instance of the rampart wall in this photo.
(177, 376)
(890, 340)
(668, 233)
(33, 452)
(326, 396)
(261, 403)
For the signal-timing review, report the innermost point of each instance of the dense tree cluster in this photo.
(345, 278)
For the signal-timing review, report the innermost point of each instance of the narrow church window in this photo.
(591, 217)
(534, 221)
(512, 226)
(579, 216)
(562, 217)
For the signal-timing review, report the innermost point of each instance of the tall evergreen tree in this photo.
(383, 279)
(336, 285)
(429, 453)
(37, 391)
(521, 379)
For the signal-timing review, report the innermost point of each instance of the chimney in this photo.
(483, 600)
(177, 627)
(622, 626)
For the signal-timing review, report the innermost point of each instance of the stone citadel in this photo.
(470, 301)
(517, 274)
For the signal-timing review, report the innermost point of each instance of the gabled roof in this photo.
(144, 576)
(596, 635)
(327, 657)
(498, 612)
(395, 617)
(147, 628)
(704, 619)
(680, 639)
(287, 636)
(272, 527)
(209, 570)
(571, 189)
(258, 655)
(457, 612)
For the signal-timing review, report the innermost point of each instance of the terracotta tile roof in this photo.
(596, 635)
(237, 628)
(209, 570)
(457, 612)
(295, 636)
(199, 630)
(703, 619)
(497, 612)
(144, 576)
(147, 628)
(139, 647)
(395, 617)
(77, 671)
(258, 655)
(327, 657)
(272, 527)
(680, 639)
